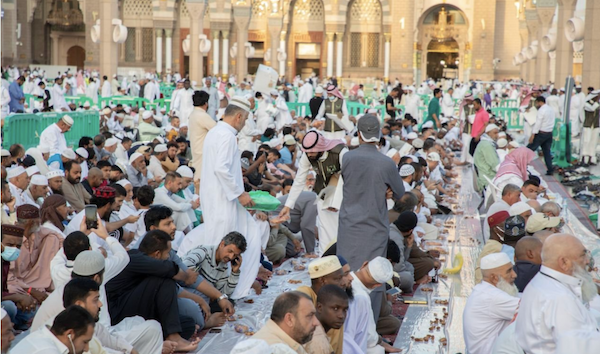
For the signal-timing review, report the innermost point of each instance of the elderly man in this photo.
(324, 271)
(293, 321)
(511, 194)
(137, 170)
(155, 166)
(37, 191)
(492, 304)
(551, 209)
(18, 181)
(521, 208)
(183, 210)
(200, 123)
(54, 135)
(147, 129)
(540, 221)
(557, 298)
(56, 161)
(213, 98)
(528, 259)
(72, 189)
(325, 156)
(485, 157)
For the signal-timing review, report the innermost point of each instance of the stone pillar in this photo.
(545, 12)
(533, 25)
(564, 48)
(215, 52)
(275, 25)
(524, 32)
(54, 49)
(225, 66)
(282, 47)
(591, 45)
(404, 54)
(386, 57)
(169, 50)
(241, 17)
(196, 9)
(138, 44)
(109, 50)
(330, 36)
(483, 54)
(340, 55)
(159, 50)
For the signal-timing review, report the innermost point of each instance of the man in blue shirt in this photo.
(289, 147)
(17, 98)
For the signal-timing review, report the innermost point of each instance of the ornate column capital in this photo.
(339, 36)
(168, 32)
(225, 34)
(387, 37)
(330, 36)
(159, 32)
(196, 9)
(215, 34)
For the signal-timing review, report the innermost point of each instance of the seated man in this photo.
(293, 321)
(37, 191)
(388, 324)
(147, 288)
(183, 210)
(332, 307)
(528, 260)
(72, 328)
(540, 221)
(72, 189)
(324, 271)
(492, 304)
(404, 225)
(279, 238)
(303, 217)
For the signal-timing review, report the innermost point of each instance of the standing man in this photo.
(315, 102)
(305, 94)
(542, 132)
(467, 118)
(434, 109)
(17, 98)
(481, 119)
(106, 88)
(411, 102)
(364, 226)
(58, 95)
(448, 104)
(200, 124)
(390, 106)
(213, 101)
(222, 190)
(334, 105)
(183, 102)
(591, 128)
(325, 157)
(54, 136)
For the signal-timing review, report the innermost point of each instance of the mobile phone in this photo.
(394, 291)
(235, 261)
(215, 330)
(91, 216)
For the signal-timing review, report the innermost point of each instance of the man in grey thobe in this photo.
(303, 217)
(364, 225)
(213, 102)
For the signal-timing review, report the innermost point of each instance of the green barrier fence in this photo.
(25, 128)
(167, 90)
(512, 117)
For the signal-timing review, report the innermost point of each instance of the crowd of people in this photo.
(178, 239)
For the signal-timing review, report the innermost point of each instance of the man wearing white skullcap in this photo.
(492, 304)
(147, 129)
(17, 181)
(406, 173)
(54, 135)
(136, 170)
(37, 191)
(502, 149)
(56, 161)
(521, 208)
(485, 157)
(222, 190)
(55, 181)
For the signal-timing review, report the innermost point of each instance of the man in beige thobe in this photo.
(199, 125)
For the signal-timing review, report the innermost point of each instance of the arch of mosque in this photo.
(344, 38)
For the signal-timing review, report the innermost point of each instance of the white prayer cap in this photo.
(319, 89)
(502, 135)
(68, 153)
(32, 170)
(354, 141)
(123, 183)
(502, 142)
(406, 170)
(3, 313)
(281, 348)
(54, 173)
(88, 263)
(494, 260)
(518, 208)
(82, 152)
(381, 270)
(15, 172)
(221, 95)
(323, 266)
(110, 142)
(147, 114)
(5, 153)
(578, 86)
(121, 115)
(514, 144)
(428, 124)
(417, 143)
(185, 171)
(134, 156)
(67, 120)
(433, 156)
(251, 346)
(86, 104)
(274, 93)
(405, 150)
(241, 102)
(160, 140)
(411, 88)
(273, 143)
(106, 111)
(127, 109)
(444, 120)
(412, 136)
(391, 152)
(183, 126)
(39, 180)
(491, 127)
(160, 148)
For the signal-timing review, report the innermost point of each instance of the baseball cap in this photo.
(540, 221)
(369, 128)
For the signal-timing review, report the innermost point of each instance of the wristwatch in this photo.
(222, 297)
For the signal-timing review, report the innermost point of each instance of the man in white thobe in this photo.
(249, 135)
(305, 93)
(183, 210)
(54, 136)
(283, 117)
(106, 88)
(222, 188)
(556, 300)
(576, 105)
(57, 95)
(264, 113)
(492, 304)
(448, 104)
(183, 102)
(214, 102)
(580, 117)
(412, 103)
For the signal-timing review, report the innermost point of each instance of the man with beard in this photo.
(325, 157)
(9, 215)
(486, 158)
(492, 304)
(73, 191)
(55, 181)
(94, 180)
(293, 321)
(557, 298)
(136, 170)
(171, 162)
(183, 210)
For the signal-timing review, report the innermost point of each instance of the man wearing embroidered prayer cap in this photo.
(222, 189)
(324, 156)
(54, 135)
(406, 173)
(366, 163)
(17, 181)
(492, 304)
(55, 180)
(37, 191)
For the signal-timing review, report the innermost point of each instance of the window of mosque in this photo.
(355, 49)
(308, 10)
(130, 47)
(137, 9)
(372, 50)
(148, 45)
(260, 9)
(453, 16)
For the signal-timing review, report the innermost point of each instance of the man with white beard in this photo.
(557, 298)
(412, 102)
(492, 304)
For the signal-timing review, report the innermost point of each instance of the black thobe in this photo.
(525, 272)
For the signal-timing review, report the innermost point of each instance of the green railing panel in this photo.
(512, 117)
(299, 108)
(21, 128)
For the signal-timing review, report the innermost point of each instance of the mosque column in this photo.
(109, 50)
(533, 26)
(196, 8)
(241, 17)
(386, 57)
(159, 50)
(282, 48)
(168, 50)
(591, 45)
(225, 66)
(275, 25)
(545, 11)
(215, 52)
(138, 44)
(340, 54)
(564, 48)
(330, 36)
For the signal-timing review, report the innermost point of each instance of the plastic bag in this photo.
(263, 201)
